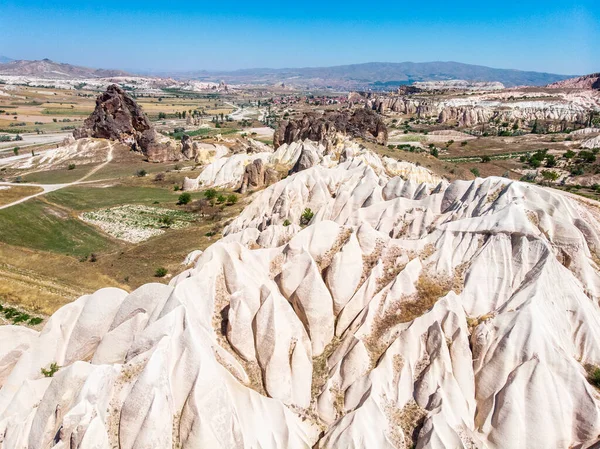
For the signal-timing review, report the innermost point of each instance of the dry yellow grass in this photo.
(15, 193)
(42, 282)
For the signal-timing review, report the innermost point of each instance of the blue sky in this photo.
(553, 36)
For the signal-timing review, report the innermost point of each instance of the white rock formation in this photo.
(503, 105)
(592, 143)
(229, 171)
(441, 316)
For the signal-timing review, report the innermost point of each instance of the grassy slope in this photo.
(80, 198)
(49, 228)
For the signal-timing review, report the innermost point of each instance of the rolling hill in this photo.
(54, 70)
(378, 75)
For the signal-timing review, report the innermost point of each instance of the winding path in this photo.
(53, 187)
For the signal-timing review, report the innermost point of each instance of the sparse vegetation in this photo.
(306, 217)
(51, 370)
(160, 272)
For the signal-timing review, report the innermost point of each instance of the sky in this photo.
(548, 36)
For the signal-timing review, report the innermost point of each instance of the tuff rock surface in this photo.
(404, 314)
(118, 117)
(563, 109)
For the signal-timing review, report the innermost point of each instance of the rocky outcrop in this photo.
(232, 171)
(443, 316)
(591, 81)
(558, 113)
(118, 117)
(189, 148)
(256, 175)
(326, 128)
(308, 158)
(592, 143)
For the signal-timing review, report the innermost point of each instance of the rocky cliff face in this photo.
(256, 175)
(438, 316)
(467, 112)
(591, 81)
(324, 128)
(118, 117)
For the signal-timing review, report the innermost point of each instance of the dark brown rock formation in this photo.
(323, 128)
(118, 117)
(256, 175)
(189, 148)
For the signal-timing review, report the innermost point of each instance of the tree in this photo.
(184, 198)
(232, 199)
(549, 175)
(486, 158)
(435, 152)
(210, 194)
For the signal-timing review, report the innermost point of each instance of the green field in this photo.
(63, 176)
(35, 224)
(82, 198)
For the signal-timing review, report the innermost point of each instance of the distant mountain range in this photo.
(54, 70)
(377, 75)
(372, 75)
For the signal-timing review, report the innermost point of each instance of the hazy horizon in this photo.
(153, 37)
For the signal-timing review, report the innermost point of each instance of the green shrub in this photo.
(232, 199)
(307, 216)
(161, 272)
(549, 175)
(51, 371)
(475, 172)
(71, 167)
(221, 199)
(210, 194)
(485, 159)
(184, 198)
(141, 173)
(166, 220)
(594, 376)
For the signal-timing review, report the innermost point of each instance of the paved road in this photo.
(53, 187)
(35, 139)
